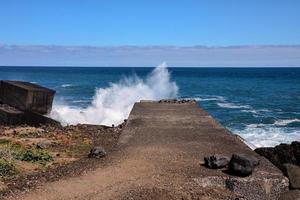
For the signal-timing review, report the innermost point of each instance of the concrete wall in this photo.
(26, 96)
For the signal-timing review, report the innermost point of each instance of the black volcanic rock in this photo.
(280, 154)
(242, 165)
(216, 161)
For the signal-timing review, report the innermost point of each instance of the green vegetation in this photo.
(4, 141)
(32, 155)
(10, 152)
(33, 134)
(7, 168)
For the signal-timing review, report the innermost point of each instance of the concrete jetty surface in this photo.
(159, 156)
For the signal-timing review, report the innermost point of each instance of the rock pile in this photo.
(177, 101)
(239, 164)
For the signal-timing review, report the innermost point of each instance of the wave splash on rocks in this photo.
(112, 105)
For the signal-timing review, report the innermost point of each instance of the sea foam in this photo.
(232, 105)
(112, 105)
(284, 122)
(267, 135)
(66, 85)
(208, 98)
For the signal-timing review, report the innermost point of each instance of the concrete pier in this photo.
(160, 155)
(185, 134)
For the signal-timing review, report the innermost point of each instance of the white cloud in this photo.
(191, 56)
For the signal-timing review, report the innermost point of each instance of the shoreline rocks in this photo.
(281, 154)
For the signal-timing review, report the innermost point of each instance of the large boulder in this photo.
(280, 154)
(242, 165)
(293, 173)
(216, 161)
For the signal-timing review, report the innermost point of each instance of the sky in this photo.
(35, 32)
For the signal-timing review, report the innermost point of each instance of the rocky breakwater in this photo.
(287, 158)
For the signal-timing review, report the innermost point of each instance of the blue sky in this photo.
(144, 23)
(150, 22)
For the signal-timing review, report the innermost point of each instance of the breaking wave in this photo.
(66, 85)
(232, 105)
(284, 122)
(210, 98)
(81, 101)
(112, 105)
(268, 135)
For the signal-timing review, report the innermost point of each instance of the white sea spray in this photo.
(112, 105)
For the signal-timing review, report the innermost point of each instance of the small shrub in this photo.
(29, 135)
(33, 155)
(6, 168)
(5, 153)
(4, 141)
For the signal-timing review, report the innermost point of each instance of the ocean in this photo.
(260, 104)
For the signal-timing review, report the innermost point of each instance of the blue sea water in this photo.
(260, 104)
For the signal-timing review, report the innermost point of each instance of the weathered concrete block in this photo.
(35, 119)
(10, 115)
(26, 96)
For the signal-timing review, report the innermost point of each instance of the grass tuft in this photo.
(7, 168)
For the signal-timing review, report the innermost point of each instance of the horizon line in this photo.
(69, 66)
(150, 45)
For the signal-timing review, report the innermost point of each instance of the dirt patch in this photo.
(33, 155)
